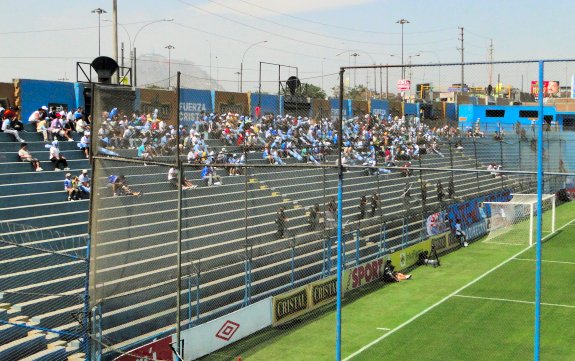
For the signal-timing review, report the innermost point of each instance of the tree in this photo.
(359, 92)
(313, 91)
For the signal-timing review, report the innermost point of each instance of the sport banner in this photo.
(323, 291)
(363, 274)
(290, 305)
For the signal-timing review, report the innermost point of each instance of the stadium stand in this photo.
(34, 205)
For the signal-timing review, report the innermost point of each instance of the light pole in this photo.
(242, 63)
(134, 45)
(217, 71)
(169, 47)
(239, 77)
(402, 22)
(99, 11)
(210, 45)
(355, 55)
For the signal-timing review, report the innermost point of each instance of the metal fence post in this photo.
(537, 336)
(179, 220)
(85, 321)
(476, 165)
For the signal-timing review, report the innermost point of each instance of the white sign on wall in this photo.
(223, 331)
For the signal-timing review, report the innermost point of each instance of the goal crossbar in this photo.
(529, 200)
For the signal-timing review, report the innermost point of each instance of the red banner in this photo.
(158, 350)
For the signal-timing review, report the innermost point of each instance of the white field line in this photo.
(544, 260)
(391, 332)
(505, 243)
(383, 328)
(513, 301)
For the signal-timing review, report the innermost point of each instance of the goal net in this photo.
(514, 222)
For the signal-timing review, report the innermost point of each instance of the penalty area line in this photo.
(513, 301)
(391, 332)
(544, 260)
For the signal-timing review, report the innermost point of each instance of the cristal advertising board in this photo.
(290, 305)
(323, 291)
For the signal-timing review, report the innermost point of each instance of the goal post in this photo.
(513, 222)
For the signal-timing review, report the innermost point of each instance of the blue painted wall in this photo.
(334, 103)
(451, 111)
(411, 109)
(468, 114)
(36, 93)
(268, 103)
(379, 107)
(192, 103)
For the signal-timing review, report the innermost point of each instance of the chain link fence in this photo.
(210, 204)
(40, 312)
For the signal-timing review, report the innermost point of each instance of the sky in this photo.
(45, 39)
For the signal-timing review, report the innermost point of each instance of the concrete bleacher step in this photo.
(39, 146)
(23, 347)
(21, 167)
(50, 354)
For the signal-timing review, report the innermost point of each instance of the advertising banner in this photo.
(443, 242)
(162, 100)
(437, 223)
(469, 212)
(228, 102)
(334, 107)
(403, 85)
(216, 334)
(550, 88)
(156, 350)
(192, 103)
(290, 305)
(323, 291)
(408, 257)
(320, 108)
(362, 274)
(379, 107)
(359, 108)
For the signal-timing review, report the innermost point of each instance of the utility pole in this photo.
(462, 58)
(491, 61)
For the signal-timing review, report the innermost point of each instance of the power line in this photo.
(296, 29)
(299, 41)
(339, 26)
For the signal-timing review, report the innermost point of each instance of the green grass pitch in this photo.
(477, 306)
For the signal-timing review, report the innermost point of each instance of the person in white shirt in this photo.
(84, 180)
(7, 128)
(25, 156)
(57, 158)
(173, 179)
(460, 234)
(36, 115)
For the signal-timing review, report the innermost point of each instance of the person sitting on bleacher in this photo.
(84, 180)
(43, 128)
(57, 158)
(210, 176)
(57, 128)
(71, 188)
(120, 186)
(8, 128)
(25, 156)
